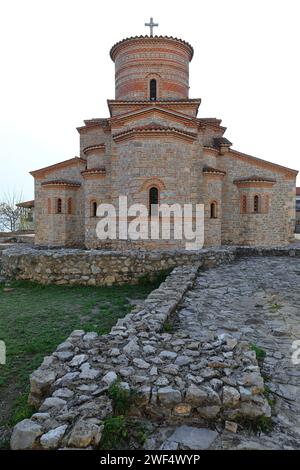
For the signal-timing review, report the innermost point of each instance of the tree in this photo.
(9, 212)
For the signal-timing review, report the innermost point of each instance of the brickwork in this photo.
(149, 139)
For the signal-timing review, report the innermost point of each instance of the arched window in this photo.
(256, 204)
(244, 204)
(49, 205)
(153, 89)
(59, 206)
(153, 200)
(213, 210)
(93, 209)
(70, 208)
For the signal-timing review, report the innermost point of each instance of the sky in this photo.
(56, 72)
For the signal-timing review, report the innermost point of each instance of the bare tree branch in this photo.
(9, 212)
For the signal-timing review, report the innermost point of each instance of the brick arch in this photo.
(156, 77)
(213, 209)
(92, 207)
(257, 203)
(157, 182)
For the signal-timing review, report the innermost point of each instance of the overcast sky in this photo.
(56, 71)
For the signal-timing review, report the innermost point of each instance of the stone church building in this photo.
(153, 148)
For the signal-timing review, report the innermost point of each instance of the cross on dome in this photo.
(151, 26)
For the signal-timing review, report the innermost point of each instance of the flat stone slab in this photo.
(257, 300)
(192, 438)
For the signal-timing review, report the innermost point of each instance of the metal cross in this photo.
(151, 26)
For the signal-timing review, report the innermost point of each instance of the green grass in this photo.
(275, 307)
(121, 432)
(115, 433)
(34, 319)
(260, 352)
(259, 425)
(122, 399)
(168, 327)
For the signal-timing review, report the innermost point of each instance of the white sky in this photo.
(56, 71)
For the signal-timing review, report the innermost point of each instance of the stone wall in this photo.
(53, 228)
(174, 377)
(105, 267)
(269, 228)
(100, 267)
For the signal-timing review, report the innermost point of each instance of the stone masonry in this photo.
(204, 371)
(154, 139)
(255, 299)
(176, 378)
(100, 267)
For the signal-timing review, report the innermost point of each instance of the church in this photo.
(153, 148)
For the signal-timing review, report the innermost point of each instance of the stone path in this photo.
(257, 299)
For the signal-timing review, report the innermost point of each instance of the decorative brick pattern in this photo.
(146, 141)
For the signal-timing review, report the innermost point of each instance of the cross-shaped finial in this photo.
(151, 26)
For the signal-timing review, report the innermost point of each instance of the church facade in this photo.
(153, 148)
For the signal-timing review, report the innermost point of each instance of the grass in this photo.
(121, 431)
(259, 425)
(275, 307)
(115, 433)
(34, 319)
(270, 398)
(122, 399)
(260, 353)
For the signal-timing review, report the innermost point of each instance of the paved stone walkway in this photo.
(257, 299)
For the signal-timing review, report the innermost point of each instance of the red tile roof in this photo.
(61, 183)
(26, 204)
(150, 38)
(70, 161)
(94, 147)
(94, 171)
(210, 169)
(255, 178)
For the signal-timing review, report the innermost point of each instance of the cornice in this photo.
(90, 148)
(63, 164)
(154, 131)
(150, 40)
(92, 173)
(53, 184)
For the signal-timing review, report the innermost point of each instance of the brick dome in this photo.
(154, 68)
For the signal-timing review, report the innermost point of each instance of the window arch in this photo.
(49, 205)
(93, 209)
(59, 206)
(244, 204)
(153, 200)
(213, 210)
(153, 89)
(70, 205)
(256, 204)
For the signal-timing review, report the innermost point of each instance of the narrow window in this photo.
(94, 209)
(153, 201)
(244, 204)
(256, 204)
(153, 89)
(213, 210)
(49, 205)
(59, 205)
(69, 205)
